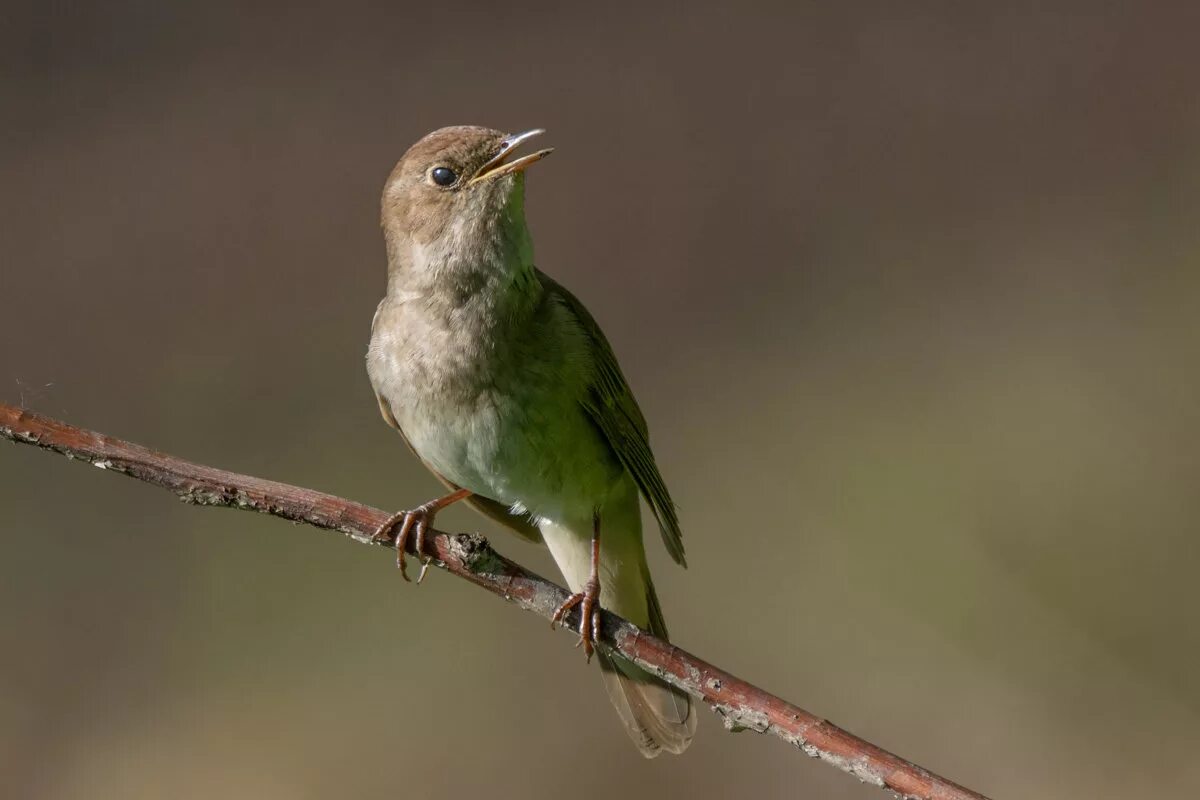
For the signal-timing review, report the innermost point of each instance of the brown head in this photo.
(455, 203)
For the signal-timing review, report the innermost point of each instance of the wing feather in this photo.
(612, 407)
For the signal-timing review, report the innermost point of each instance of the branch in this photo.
(469, 556)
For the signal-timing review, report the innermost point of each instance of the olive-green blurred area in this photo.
(910, 294)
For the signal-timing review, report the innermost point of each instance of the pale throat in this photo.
(481, 259)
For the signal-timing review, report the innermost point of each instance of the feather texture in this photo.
(611, 405)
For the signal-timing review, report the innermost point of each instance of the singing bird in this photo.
(504, 386)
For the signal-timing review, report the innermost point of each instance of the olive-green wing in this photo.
(611, 405)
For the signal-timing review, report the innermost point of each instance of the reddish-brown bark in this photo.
(742, 705)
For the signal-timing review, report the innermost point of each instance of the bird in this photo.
(503, 385)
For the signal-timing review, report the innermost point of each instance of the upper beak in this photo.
(497, 165)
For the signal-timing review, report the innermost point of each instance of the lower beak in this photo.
(500, 165)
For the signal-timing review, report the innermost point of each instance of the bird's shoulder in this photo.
(605, 374)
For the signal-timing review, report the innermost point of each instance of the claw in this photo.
(384, 534)
(420, 518)
(567, 605)
(589, 616)
(422, 529)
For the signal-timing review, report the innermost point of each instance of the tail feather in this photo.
(657, 716)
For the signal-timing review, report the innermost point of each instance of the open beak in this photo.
(500, 165)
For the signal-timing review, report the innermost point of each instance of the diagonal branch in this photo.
(469, 556)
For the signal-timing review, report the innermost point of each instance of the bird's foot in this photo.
(589, 615)
(419, 519)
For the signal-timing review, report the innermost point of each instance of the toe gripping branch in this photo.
(420, 520)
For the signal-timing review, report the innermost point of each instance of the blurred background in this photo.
(909, 294)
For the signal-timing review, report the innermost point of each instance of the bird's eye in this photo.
(443, 176)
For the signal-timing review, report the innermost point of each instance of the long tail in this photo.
(657, 716)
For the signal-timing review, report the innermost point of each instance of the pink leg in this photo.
(420, 519)
(588, 600)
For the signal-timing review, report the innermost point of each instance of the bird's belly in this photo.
(539, 453)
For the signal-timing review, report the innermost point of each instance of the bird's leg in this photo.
(420, 519)
(588, 600)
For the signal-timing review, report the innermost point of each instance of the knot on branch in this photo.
(474, 552)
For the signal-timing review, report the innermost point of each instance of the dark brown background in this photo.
(909, 293)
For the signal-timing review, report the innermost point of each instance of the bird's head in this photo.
(456, 195)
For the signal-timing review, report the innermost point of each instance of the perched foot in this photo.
(588, 600)
(589, 615)
(420, 519)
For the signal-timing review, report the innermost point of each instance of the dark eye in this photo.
(443, 176)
